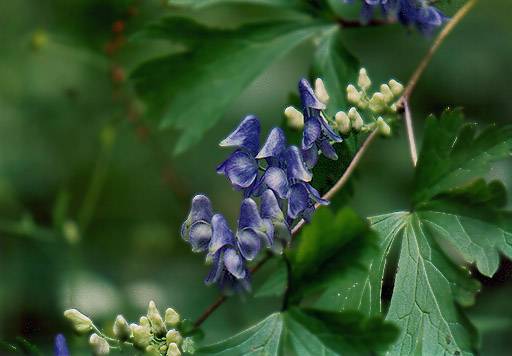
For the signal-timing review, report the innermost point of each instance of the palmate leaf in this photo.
(189, 91)
(451, 206)
(308, 332)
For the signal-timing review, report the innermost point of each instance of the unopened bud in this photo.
(377, 102)
(173, 336)
(342, 122)
(353, 95)
(355, 119)
(386, 91)
(321, 91)
(157, 323)
(141, 335)
(173, 350)
(383, 127)
(172, 318)
(121, 328)
(294, 117)
(81, 323)
(363, 80)
(144, 321)
(152, 350)
(396, 87)
(99, 345)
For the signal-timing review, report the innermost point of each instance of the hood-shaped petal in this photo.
(298, 201)
(269, 206)
(308, 97)
(274, 145)
(310, 156)
(249, 215)
(246, 135)
(296, 168)
(221, 234)
(249, 243)
(241, 169)
(60, 347)
(200, 236)
(234, 263)
(217, 268)
(276, 179)
(201, 210)
(327, 149)
(312, 131)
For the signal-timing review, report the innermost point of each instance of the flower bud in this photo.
(141, 335)
(121, 328)
(144, 321)
(157, 323)
(152, 350)
(396, 87)
(173, 336)
(99, 345)
(356, 119)
(172, 318)
(377, 102)
(173, 350)
(294, 117)
(353, 95)
(81, 323)
(321, 91)
(342, 122)
(363, 80)
(383, 127)
(386, 91)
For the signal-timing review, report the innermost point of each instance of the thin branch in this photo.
(410, 132)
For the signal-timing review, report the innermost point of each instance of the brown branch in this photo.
(410, 132)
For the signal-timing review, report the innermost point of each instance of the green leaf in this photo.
(308, 332)
(199, 4)
(453, 154)
(337, 67)
(190, 91)
(276, 283)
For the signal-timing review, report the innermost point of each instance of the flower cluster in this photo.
(419, 13)
(156, 335)
(275, 173)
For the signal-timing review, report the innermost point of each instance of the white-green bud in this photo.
(81, 323)
(294, 117)
(353, 95)
(99, 345)
(342, 122)
(157, 323)
(386, 91)
(172, 318)
(383, 127)
(173, 336)
(141, 335)
(363, 81)
(144, 321)
(355, 119)
(121, 328)
(378, 102)
(152, 350)
(173, 350)
(396, 87)
(321, 91)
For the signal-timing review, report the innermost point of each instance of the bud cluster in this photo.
(154, 334)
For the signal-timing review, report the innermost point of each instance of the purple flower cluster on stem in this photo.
(279, 176)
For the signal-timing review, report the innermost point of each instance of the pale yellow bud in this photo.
(396, 87)
(173, 350)
(157, 323)
(172, 318)
(294, 117)
(383, 127)
(81, 323)
(144, 321)
(99, 345)
(121, 328)
(363, 80)
(141, 335)
(386, 91)
(321, 91)
(377, 103)
(152, 350)
(173, 336)
(353, 95)
(356, 119)
(342, 122)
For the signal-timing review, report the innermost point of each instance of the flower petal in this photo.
(216, 270)
(298, 201)
(328, 150)
(315, 195)
(249, 215)
(234, 263)
(310, 156)
(221, 234)
(296, 169)
(274, 145)
(312, 131)
(246, 135)
(200, 236)
(328, 131)
(248, 243)
(201, 209)
(308, 97)
(269, 206)
(276, 179)
(241, 169)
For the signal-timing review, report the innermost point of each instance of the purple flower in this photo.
(303, 198)
(197, 228)
(252, 230)
(270, 209)
(60, 347)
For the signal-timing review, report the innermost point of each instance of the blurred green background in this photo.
(91, 197)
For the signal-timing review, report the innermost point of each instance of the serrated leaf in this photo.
(453, 154)
(199, 4)
(190, 91)
(308, 332)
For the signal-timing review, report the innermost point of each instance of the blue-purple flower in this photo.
(197, 229)
(60, 346)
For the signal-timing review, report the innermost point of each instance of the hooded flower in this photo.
(252, 230)
(197, 229)
(60, 347)
(270, 209)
